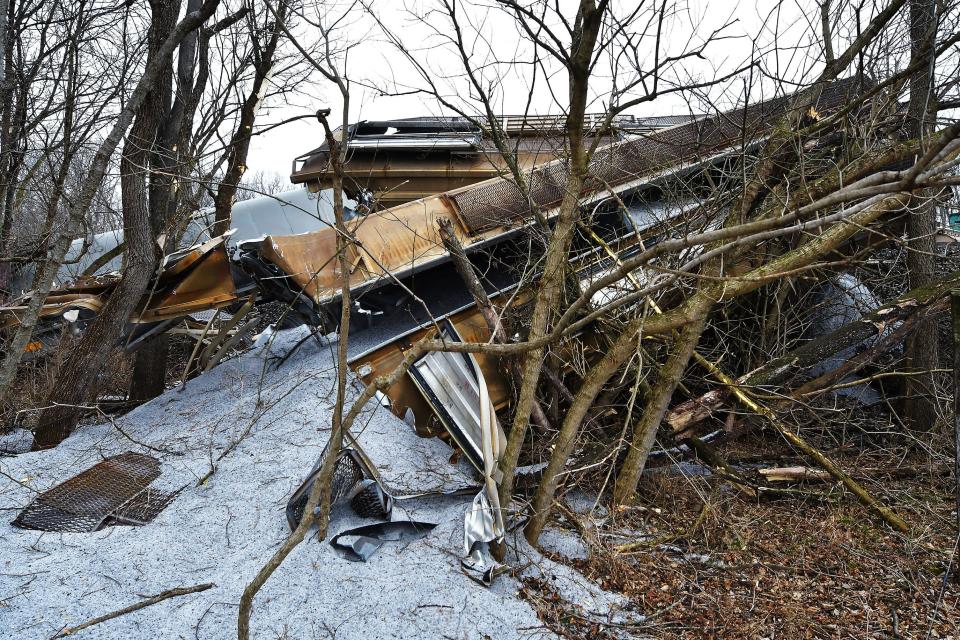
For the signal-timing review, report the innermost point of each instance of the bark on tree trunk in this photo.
(240, 142)
(548, 295)
(919, 406)
(150, 369)
(78, 375)
(588, 23)
(150, 361)
(645, 432)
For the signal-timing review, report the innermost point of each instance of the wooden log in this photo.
(793, 474)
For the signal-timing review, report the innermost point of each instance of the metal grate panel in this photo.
(501, 202)
(347, 472)
(142, 509)
(85, 502)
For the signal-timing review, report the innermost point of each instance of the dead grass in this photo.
(722, 565)
(35, 378)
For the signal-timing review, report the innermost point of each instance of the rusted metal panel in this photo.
(114, 488)
(56, 305)
(204, 282)
(403, 160)
(387, 244)
(404, 394)
(496, 203)
(403, 239)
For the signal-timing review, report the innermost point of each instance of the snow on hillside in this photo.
(225, 529)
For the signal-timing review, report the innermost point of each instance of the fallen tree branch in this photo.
(831, 467)
(143, 604)
(920, 303)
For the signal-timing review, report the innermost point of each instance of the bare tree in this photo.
(263, 56)
(88, 358)
(332, 62)
(920, 407)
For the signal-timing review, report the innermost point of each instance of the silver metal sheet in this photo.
(451, 384)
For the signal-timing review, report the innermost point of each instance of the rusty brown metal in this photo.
(199, 280)
(394, 175)
(114, 490)
(403, 239)
(404, 394)
(307, 259)
(498, 203)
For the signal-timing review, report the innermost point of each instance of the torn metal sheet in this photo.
(114, 491)
(405, 397)
(454, 386)
(359, 544)
(199, 280)
(483, 523)
(480, 528)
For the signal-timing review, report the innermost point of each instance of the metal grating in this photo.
(142, 509)
(501, 202)
(347, 472)
(114, 489)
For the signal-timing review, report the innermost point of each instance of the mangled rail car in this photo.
(395, 161)
(390, 246)
(197, 280)
(403, 288)
(399, 274)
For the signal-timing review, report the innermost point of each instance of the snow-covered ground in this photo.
(272, 424)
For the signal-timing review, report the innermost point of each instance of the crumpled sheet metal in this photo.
(359, 544)
(308, 259)
(198, 280)
(404, 395)
(115, 490)
(354, 478)
(483, 522)
(479, 530)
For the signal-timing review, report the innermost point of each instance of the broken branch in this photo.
(143, 604)
(831, 467)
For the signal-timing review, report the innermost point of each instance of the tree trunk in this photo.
(150, 369)
(919, 406)
(550, 288)
(150, 361)
(588, 22)
(77, 378)
(618, 353)
(240, 142)
(78, 375)
(645, 431)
